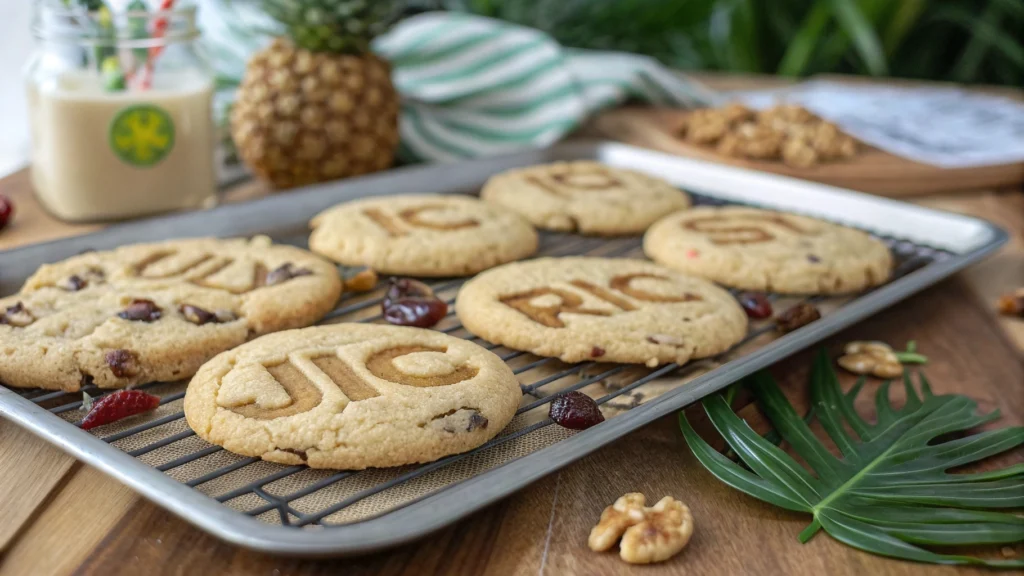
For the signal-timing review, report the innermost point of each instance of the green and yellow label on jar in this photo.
(142, 135)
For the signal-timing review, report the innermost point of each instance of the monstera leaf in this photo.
(891, 490)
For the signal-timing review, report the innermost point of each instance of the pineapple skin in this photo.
(303, 117)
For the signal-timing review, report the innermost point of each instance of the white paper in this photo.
(944, 127)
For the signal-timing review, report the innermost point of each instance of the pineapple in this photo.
(317, 105)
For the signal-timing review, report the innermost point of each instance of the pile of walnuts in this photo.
(785, 132)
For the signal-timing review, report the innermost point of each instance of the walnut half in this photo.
(648, 535)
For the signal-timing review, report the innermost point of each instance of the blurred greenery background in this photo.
(975, 41)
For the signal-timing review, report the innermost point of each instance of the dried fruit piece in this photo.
(73, 283)
(575, 410)
(755, 304)
(6, 211)
(597, 352)
(285, 272)
(123, 363)
(1012, 304)
(363, 281)
(476, 420)
(17, 316)
(648, 535)
(197, 315)
(141, 310)
(800, 315)
(119, 405)
(412, 303)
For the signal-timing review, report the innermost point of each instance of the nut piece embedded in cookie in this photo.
(648, 535)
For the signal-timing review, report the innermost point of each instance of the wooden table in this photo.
(61, 517)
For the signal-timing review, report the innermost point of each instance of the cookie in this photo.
(422, 235)
(754, 249)
(602, 309)
(586, 197)
(352, 396)
(156, 312)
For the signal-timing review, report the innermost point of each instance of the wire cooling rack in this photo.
(295, 510)
(295, 496)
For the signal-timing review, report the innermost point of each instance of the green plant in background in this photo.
(961, 40)
(891, 491)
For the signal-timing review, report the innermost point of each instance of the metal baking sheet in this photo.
(164, 462)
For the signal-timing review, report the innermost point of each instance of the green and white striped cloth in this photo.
(473, 86)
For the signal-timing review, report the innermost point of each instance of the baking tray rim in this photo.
(434, 511)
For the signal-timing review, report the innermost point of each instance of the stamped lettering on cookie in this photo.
(531, 302)
(237, 276)
(580, 179)
(295, 386)
(399, 224)
(724, 229)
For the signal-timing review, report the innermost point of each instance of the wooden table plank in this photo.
(47, 465)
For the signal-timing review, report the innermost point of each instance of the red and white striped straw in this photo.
(159, 29)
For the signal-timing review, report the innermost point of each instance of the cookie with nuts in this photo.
(603, 309)
(763, 250)
(585, 196)
(422, 235)
(156, 312)
(352, 396)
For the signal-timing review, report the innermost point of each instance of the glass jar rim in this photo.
(55, 22)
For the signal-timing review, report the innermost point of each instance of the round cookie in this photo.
(352, 396)
(603, 309)
(754, 249)
(156, 312)
(422, 235)
(586, 197)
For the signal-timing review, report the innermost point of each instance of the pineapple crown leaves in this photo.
(890, 491)
(339, 26)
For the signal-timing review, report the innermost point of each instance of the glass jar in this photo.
(120, 107)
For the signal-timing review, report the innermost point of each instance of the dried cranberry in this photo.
(596, 352)
(6, 211)
(800, 315)
(118, 405)
(285, 272)
(404, 288)
(575, 410)
(141, 310)
(412, 303)
(755, 304)
(197, 315)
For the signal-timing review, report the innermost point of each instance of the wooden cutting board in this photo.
(872, 170)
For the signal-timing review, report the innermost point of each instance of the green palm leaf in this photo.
(891, 490)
